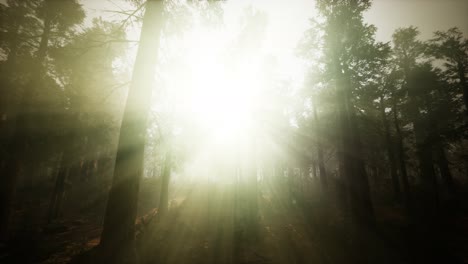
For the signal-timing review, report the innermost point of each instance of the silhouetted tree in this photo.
(118, 229)
(58, 18)
(452, 47)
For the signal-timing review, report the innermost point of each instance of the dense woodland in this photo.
(366, 161)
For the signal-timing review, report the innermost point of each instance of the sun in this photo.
(223, 102)
(211, 98)
(217, 92)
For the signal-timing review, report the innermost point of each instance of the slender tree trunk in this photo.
(360, 189)
(251, 183)
(401, 155)
(87, 171)
(354, 168)
(57, 194)
(424, 155)
(314, 170)
(65, 171)
(321, 164)
(354, 171)
(344, 169)
(428, 177)
(390, 153)
(118, 229)
(165, 178)
(445, 173)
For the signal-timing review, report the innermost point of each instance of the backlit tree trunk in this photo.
(121, 211)
(401, 155)
(390, 153)
(165, 178)
(424, 146)
(443, 165)
(351, 153)
(57, 194)
(321, 164)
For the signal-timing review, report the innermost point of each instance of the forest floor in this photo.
(209, 225)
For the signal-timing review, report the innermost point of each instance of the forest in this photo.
(234, 131)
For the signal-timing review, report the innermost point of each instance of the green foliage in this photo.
(62, 14)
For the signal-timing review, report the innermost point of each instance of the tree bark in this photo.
(118, 229)
(57, 194)
(321, 164)
(313, 169)
(401, 155)
(361, 202)
(390, 153)
(445, 173)
(351, 154)
(423, 151)
(251, 181)
(165, 178)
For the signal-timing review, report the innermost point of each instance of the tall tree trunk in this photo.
(57, 194)
(66, 169)
(445, 173)
(87, 170)
(428, 176)
(359, 183)
(165, 178)
(118, 229)
(424, 155)
(390, 153)
(251, 181)
(313, 168)
(401, 155)
(357, 180)
(321, 164)
(353, 166)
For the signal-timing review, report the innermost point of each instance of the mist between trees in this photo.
(178, 132)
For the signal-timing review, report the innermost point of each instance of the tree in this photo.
(84, 67)
(348, 46)
(390, 152)
(165, 177)
(56, 17)
(393, 88)
(118, 229)
(418, 80)
(319, 146)
(18, 27)
(452, 47)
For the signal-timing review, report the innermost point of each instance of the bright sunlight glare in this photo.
(216, 92)
(216, 87)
